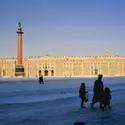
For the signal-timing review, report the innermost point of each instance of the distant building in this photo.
(66, 66)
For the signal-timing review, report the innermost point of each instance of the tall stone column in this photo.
(19, 70)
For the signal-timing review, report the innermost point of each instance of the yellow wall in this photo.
(66, 66)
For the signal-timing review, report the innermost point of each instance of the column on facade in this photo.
(54, 68)
(108, 68)
(37, 68)
(0, 70)
(14, 68)
(100, 67)
(42, 68)
(72, 68)
(93, 67)
(5, 68)
(97, 67)
(123, 68)
(28, 68)
(90, 67)
(50, 67)
(66, 70)
(91, 72)
(82, 68)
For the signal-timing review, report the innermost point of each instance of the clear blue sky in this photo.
(63, 27)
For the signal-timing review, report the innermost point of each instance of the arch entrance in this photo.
(46, 73)
(52, 73)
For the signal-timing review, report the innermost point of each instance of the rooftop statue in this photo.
(19, 27)
(19, 24)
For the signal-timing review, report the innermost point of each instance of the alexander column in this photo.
(19, 70)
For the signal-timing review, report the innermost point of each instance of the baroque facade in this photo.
(66, 66)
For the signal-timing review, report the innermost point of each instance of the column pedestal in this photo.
(19, 71)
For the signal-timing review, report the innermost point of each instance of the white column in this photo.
(108, 68)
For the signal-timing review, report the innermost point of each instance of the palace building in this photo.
(60, 66)
(66, 66)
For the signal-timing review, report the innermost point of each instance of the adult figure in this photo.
(98, 91)
(41, 79)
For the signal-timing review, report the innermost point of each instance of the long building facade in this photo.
(65, 66)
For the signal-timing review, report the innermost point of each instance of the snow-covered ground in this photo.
(25, 102)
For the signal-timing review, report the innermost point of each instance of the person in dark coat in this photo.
(41, 79)
(106, 98)
(79, 123)
(98, 91)
(82, 94)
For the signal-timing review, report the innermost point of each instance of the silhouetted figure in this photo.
(82, 94)
(41, 79)
(98, 91)
(106, 98)
(79, 123)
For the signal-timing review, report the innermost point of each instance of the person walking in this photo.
(41, 79)
(98, 91)
(106, 98)
(82, 94)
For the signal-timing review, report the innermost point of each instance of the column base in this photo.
(19, 71)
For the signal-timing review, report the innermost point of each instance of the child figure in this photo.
(106, 98)
(82, 94)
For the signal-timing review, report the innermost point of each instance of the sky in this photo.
(63, 27)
